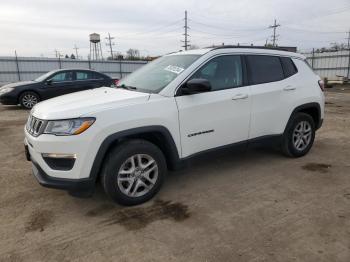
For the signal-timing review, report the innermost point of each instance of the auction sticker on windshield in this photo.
(175, 69)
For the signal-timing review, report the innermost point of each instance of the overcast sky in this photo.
(155, 27)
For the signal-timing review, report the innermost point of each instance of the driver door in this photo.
(60, 84)
(219, 117)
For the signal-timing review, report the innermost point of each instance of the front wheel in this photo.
(133, 172)
(29, 99)
(299, 135)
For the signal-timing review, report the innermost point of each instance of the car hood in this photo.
(18, 84)
(87, 102)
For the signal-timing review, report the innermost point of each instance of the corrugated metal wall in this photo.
(30, 68)
(329, 64)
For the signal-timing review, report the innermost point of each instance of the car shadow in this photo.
(13, 108)
(208, 164)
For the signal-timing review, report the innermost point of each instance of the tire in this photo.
(29, 99)
(131, 183)
(300, 128)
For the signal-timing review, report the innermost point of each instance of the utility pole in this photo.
(274, 36)
(186, 41)
(17, 67)
(347, 75)
(110, 44)
(57, 53)
(76, 51)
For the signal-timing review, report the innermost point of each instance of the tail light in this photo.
(321, 84)
(116, 81)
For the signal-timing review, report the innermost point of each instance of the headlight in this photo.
(5, 90)
(68, 127)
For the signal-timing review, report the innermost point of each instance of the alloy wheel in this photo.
(137, 175)
(302, 135)
(29, 100)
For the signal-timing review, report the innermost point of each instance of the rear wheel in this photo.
(29, 99)
(133, 172)
(299, 135)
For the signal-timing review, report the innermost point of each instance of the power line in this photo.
(315, 32)
(223, 35)
(274, 36)
(224, 29)
(186, 41)
(155, 29)
(319, 15)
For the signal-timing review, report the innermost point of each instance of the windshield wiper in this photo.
(127, 87)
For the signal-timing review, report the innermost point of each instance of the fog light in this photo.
(54, 155)
(62, 162)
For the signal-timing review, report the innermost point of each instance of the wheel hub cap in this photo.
(302, 135)
(29, 101)
(137, 175)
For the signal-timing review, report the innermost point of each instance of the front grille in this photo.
(35, 126)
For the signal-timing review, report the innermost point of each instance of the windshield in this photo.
(43, 77)
(153, 77)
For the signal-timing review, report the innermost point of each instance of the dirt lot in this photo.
(248, 206)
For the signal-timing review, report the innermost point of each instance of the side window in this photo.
(64, 76)
(288, 66)
(264, 69)
(81, 75)
(97, 76)
(223, 72)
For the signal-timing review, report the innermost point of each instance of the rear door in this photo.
(219, 117)
(271, 95)
(89, 80)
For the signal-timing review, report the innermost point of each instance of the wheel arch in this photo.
(312, 109)
(158, 135)
(27, 90)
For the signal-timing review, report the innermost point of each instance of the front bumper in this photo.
(7, 99)
(71, 185)
(75, 179)
(74, 186)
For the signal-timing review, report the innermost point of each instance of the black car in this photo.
(52, 84)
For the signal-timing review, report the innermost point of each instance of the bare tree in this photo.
(133, 54)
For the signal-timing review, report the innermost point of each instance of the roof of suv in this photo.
(241, 49)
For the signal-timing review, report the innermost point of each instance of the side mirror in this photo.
(49, 82)
(197, 85)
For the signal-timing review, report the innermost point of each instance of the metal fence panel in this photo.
(330, 64)
(30, 68)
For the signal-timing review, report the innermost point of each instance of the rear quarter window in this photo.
(264, 69)
(98, 76)
(289, 67)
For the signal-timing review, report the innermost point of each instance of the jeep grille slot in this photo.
(35, 126)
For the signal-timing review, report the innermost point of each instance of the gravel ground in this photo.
(255, 205)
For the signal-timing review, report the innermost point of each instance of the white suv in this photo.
(173, 108)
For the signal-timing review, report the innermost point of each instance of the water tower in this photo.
(95, 47)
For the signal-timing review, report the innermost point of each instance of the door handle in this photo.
(240, 96)
(289, 88)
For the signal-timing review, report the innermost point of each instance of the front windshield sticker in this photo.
(175, 69)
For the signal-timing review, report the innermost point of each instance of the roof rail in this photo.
(249, 46)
